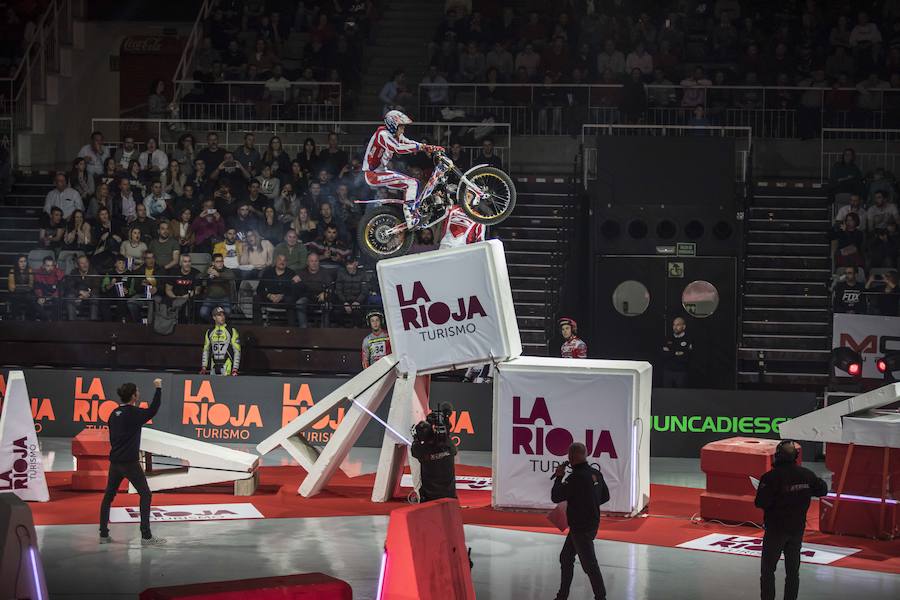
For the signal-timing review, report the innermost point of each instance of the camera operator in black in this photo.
(435, 451)
(583, 491)
(784, 494)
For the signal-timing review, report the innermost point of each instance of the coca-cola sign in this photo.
(143, 44)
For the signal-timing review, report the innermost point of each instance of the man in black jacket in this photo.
(436, 452)
(583, 491)
(278, 287)
(784, 494)
(125, 424)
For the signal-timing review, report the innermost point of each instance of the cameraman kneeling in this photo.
(435, 451)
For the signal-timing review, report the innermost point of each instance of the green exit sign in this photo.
(686, 249)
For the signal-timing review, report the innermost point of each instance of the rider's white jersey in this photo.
(382, 148)
(460, 229)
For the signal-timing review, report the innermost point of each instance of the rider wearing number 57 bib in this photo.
(387, 141)
(221, 347)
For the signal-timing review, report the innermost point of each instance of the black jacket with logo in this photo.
(584, 491)
(677, 352)
(784, 494)
(125, 425)
(438, 469)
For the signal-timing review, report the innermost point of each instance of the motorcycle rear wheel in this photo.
(372, 237)
(499, 200)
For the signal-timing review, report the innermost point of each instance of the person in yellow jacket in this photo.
(231, 248)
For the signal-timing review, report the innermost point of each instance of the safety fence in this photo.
(41, 57)
(873, 148)
(743, 137)
(557, 109)
(184, 69)
(249, 100)
(353, 135)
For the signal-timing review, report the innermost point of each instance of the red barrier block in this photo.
(91, 451)
(860, 516)
(729, 464)
(425, 555)
(308, 586)
(864, 474)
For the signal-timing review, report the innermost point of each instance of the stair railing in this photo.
(184, 70)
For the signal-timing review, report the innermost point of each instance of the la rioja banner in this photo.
(21, 466)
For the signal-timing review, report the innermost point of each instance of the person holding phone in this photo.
(125, 425)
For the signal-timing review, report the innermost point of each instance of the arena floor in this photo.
(508, 564)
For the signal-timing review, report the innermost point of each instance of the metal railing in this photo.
(532, 110)
(42, 56)
(184, 70)
(354, 135)
(743, 147)
(874, 148)
(247, 100)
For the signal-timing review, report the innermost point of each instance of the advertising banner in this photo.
(242, 409)
(450, 309)
(186, 512)
(816, 554)
(543, 405)
(684, 420)
(870, 335)
(21, 465)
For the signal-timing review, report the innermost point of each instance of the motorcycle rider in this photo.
(572, 346)
(389, 139)
(221, 347)
(378, 343)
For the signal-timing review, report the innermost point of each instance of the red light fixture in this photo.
(854, 369)
(881, 365)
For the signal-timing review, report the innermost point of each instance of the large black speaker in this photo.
(652, 192)
(21, 571)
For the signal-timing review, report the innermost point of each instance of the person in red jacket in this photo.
(47, 289)
(572, 346)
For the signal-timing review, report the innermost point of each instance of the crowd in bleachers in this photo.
(292, 55)
(251, 229)
(686, 44)
(865, 241)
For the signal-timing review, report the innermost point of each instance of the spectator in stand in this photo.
(126, 153)
(245, 219)
(182, 236)
(144, 223)
(847, 243)
(533, 30)
(82, 290)
(725, 39)
(20, 285)
(270, 228)
(48, 283)
(529, 60)
(884, 298)
(639, 59)
(81, 181)
(611, 59)
(555, 60)
(126, 202)
(307, 229)
(333, 252)
(308, 157)
(347, 211)
(634, 98)
(182, 285)
(277, 288)
(219, 288)
(78, 234)
(157, 202)
(258, 254)
(110, 174)
(144, 286)
(207, 227)
(458, 157)
(880, 183)
(184, 153)
(865, 40)
(881, 212)
(63, 197)
(102, 199)
(133, 249)
(847, 293)
(332, 158)
(471, 64)
(853, 206)
(95, 154)
(437, 93)
(488, 155)
(268, 185)
(287, 204)
(114, 291)
(137, 179)
(882, 250)
(224, 201)
(157, 103)
(870, 99)
(846, 178)
(231, 173)
(351, 291)
(187, 200)
(394, 93)
(248, 155)
(839, 62)
(153, 160)
(173, 179)
(51, 235)
(230, 249)
(326, 218)
(317, 284)
(212, 156)
(277, 157)
(294, 252)
(501, 59)
(695, 89)
(811, 101)
(107, 239)
(840, 34)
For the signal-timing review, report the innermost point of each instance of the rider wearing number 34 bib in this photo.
(387, 141)
(221, 347)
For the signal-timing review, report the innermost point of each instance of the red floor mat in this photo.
(668, 521)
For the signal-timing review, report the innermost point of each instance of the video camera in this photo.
(435, 429)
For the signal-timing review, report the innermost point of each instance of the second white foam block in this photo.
(450, 309)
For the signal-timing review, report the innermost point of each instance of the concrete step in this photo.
(785, 300)
(801, 288)
(785, 274)
(779, 212)
(789, 248)
(755, 236)
(763, 261)
(785, 327)
(788, 341)
(816, 225)
(788, 314)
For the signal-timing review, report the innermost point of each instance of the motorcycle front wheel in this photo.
(373, 233)
(498, 199)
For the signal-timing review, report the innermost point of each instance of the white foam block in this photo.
(450, 309)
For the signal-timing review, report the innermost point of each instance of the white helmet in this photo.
(394, 119)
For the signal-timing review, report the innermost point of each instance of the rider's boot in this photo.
(412, 217)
